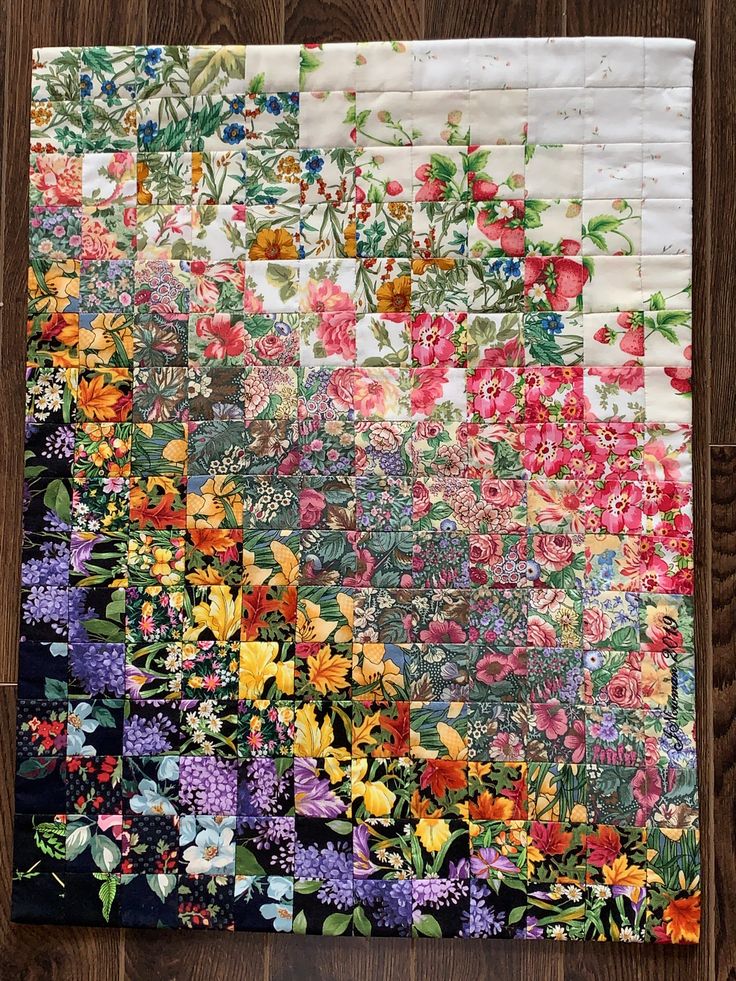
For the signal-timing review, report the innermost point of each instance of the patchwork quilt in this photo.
(357, 562)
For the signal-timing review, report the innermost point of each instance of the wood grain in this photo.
(13, 272)
(334, 20)
(191, 956)
(353, 959)
(33, 952)
(506, 960)
(722, 112)
(211, 22)
(495, 18)
(723, 531)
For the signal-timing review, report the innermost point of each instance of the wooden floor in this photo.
(28, 952)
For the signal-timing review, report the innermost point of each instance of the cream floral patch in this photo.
(357, 566)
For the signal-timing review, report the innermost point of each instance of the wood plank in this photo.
(658, 18)
(339, 957)
(107, 22)
(507, 960)
(632, 962)
(496, 18)
(722, 141)
(723, 566)
(224, 22)
(187, 955)
(350, 20)
(14, 221)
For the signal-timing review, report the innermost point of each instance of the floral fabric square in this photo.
(357, 575)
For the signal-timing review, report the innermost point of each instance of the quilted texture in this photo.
(357, 569)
